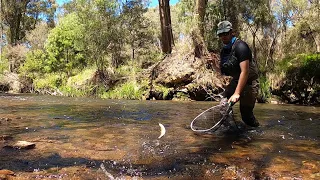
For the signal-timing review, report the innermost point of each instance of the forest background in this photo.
(125, 49)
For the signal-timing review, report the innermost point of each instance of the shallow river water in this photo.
(86, 138)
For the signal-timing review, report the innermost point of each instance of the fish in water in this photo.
(163, 130)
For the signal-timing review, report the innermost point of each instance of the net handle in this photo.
(218, 124)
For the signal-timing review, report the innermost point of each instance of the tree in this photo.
(65, 46)
(198, 31)
(22, 16)
(37, 37)
(136, 25)
(13, 14)
(192, 15)
(166, 28)
(306, 15)
(259, 22)
(104, 34)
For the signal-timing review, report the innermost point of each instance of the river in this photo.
(87, 138)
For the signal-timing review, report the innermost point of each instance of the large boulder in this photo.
(186, 75)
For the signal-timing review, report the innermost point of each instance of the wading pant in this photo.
(247, 100)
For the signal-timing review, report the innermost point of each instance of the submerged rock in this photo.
(5, 137)
(5, 173)
(21, 145)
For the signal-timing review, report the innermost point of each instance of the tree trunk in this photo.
(1, 34)
(316, 38)
(317, 41)
(202, 4)
(272, 49)
(200, 48)
(166, 28)
(13, 14)
(231, 11)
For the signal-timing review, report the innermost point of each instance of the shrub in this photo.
(264, 90)
(301, 81)
(48, 82)
(128, 90)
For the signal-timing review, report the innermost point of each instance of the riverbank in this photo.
(176, 77)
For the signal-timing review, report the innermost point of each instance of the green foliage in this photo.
(165, 91)
(104, 36)
(137, 27)
(264, 90)
(214, 15)
(311, 66)
(148, 57)
(48, 82)
(76, 92)
(76, 86)
(128, 90)
(80, 84)
(34, 64)
(303, 65)
(181, 96)
(4, 63)
(186, 16)
(299, 40)
(305, 69)
(65, 45)
(82, 78)
(302, 78)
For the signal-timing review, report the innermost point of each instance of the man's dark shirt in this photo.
(242, 52)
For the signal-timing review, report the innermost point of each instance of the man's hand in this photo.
(234, 98)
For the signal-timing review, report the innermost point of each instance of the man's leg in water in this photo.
(247, 102)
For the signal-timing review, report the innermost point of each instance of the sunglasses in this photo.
(224, 34)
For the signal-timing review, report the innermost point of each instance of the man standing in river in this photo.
(236, 61)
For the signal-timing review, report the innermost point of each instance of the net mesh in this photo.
(212, 118)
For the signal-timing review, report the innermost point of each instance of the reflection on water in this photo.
(74, 136)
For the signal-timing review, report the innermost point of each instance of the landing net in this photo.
(212, 118)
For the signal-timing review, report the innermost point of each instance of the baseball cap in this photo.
(224, 26)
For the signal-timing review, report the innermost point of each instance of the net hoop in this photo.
(215, 126)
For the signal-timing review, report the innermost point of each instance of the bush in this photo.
(48, 82)
(34, 64)
(264, 90)
(311, 67)
(128, 90)
(302, 78)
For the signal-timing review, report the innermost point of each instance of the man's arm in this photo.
(244, 66)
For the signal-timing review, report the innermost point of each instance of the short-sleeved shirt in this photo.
(242, 52)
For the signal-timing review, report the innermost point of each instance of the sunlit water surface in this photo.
(74, 137)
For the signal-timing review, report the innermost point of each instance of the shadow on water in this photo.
(74, 136)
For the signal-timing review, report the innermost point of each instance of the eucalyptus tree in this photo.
(136, 26)
(166, 27)
(305, 33)
(37, 37)
(103, 35)
(22, 16)
(191, 16)
(258, 19)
